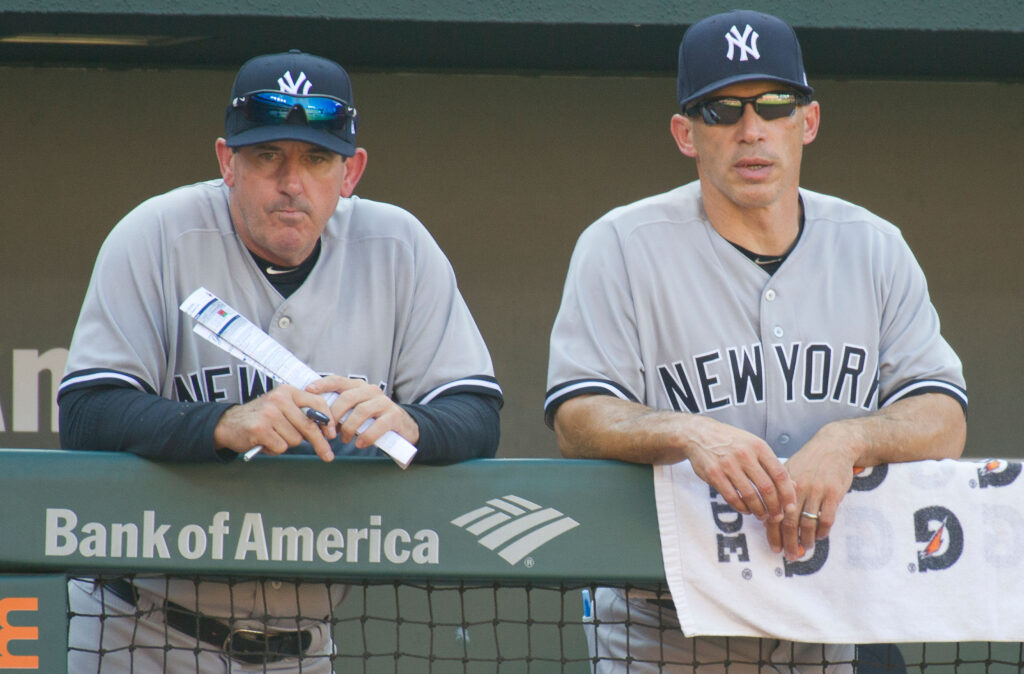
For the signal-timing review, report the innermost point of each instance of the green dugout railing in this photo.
(543, 524)
(297, 516)
(513, 520)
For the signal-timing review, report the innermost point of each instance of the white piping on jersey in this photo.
(928, 383)
(561, 393)
(101, 375)
(493, 385)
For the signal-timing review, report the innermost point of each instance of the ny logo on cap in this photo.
(290, 86)
(736, 40)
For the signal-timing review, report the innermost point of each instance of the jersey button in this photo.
(770, 295)
(783, 439)
(284, 322)
(777, 331)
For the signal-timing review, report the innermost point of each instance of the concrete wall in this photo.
(506, 170)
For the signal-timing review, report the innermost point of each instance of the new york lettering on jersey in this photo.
(229, 383)
(737, 375)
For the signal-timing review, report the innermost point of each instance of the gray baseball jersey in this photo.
(658, 308)
(381, 304)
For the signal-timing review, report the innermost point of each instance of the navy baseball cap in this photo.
(293, 74)
(738, 46)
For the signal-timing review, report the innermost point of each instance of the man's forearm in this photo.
(457, 427)
(127, 420)
(927, 426)
(603, 427)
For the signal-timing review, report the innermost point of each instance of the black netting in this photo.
(125, 624)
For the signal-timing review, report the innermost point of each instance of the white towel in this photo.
(924, 551)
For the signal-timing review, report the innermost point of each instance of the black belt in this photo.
(248, 646)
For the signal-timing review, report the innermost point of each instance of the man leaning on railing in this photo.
(744, 277)
(354, 288)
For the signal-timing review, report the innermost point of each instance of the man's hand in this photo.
(362, 401)
(742, 468)
(823, 472)
(275, 421)
(927, 426)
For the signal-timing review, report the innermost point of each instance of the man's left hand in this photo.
(823, 473)
(365, 401)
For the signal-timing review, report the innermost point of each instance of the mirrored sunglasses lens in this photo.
(725, 111)
(775, 106)
(267, 109)
(274, 108)
(323, 111)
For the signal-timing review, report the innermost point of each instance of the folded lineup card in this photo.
(218, 323)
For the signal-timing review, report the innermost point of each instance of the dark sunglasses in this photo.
(729, 109)
(274, 107)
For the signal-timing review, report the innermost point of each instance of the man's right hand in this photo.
(741, 467)
(276, 422)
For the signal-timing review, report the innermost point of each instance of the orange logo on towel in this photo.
(940, 530)
(998, 473)
(933, 545)
(866, 479)
(9, 633)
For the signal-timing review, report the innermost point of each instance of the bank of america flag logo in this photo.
(513, 526)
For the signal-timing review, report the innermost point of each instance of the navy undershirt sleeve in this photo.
(116, 419)
(108, 418)
(457, 427)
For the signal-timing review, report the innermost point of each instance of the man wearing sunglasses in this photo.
(741, 319)
(356, 289)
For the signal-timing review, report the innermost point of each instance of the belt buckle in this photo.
(256, 639)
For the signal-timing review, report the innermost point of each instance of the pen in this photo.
(316, 415)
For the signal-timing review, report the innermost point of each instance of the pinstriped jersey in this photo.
(658, 308)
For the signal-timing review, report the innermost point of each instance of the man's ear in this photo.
(354, 167)
(812, 121)
(682, 131)
(224, 155)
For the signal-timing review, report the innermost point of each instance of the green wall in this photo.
(506, 170)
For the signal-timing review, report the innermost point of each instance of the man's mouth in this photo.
(753, 164)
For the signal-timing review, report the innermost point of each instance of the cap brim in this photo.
(744, 77)
(300, 132)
